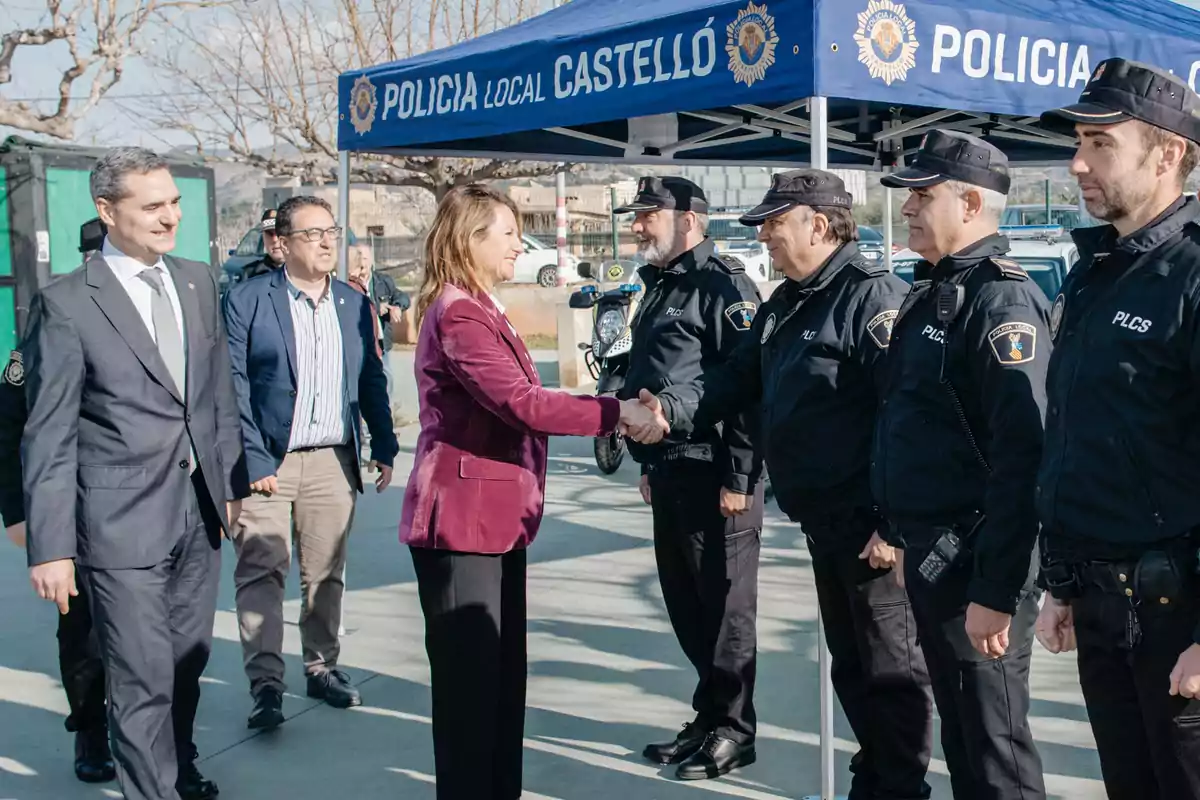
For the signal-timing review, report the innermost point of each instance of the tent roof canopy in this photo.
(701, 81)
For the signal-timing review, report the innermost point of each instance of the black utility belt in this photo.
(1160, 575)
(693, 452)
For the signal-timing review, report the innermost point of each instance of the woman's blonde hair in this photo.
(462, 217)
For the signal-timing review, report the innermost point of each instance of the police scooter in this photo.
(607, 356)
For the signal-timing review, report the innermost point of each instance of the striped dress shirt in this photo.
(322, 416)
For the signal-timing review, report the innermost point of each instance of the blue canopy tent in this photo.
(698, 81)
(780, 83)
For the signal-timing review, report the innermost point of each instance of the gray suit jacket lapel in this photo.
(114, 303)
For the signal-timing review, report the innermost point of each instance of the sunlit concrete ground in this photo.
(606, 675)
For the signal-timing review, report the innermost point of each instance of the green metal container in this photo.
(44, 199)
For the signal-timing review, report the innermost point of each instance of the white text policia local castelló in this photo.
(628, 64)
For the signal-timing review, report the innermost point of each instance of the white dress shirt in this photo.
(322, 415)
(127, 270)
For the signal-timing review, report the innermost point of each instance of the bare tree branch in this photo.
(251, 80)
(99, 48)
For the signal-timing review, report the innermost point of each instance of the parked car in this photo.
(539, 264)
(1047, 262)
(1067, 216)
(731, 238)
(870, 243)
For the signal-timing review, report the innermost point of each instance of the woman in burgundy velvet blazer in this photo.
(475, 494)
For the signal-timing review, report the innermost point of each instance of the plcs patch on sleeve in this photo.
(741, 315)
(880, 328)
(1014, 343)
(14, 373)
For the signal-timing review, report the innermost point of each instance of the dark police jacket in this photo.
(925, 471)
(12, 424)
(1121, 467)
(694, 313)
(813, 359)
(259, 266)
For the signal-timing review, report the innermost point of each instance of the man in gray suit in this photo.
(129, 456)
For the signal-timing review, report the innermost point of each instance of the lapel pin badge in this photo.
(191, 285)
(341, 301)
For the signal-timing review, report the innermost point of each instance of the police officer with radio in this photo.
(814, 359)
(705, 492)
(957, 444)
(1118, 486)
(79, 663)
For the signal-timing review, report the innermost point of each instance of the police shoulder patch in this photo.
(880, 328)
(1010, 269)
(741, 315)
(14, 373)
(1013, 343)
(731, 265)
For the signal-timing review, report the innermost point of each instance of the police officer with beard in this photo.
(814, 360)
(1119, 486)
(705, 492)
(79, 663)
(958, 440)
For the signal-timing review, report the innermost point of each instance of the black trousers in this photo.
(154, 627)
(474, 607)
(983, 702)
(708, 568)
(878, 668)
(80, 666)
(1149, 741)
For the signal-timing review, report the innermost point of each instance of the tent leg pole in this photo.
(819, 158)
(560, 221)
(887, 227)
(344, 214)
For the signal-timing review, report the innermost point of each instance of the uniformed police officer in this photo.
(957, 444)
(1118, 487)
(705, 491)
(272, 257)
(79, 664)
(813, 359)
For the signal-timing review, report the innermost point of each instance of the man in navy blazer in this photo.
(306, 371)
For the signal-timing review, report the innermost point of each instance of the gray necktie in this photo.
(166, 329)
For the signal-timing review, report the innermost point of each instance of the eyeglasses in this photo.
(317, 234)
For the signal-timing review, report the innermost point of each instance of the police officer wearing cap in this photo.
(813, 360)
(705, 492)
(1118, 486)
(957, 444)
(273, 256)
(79, 662)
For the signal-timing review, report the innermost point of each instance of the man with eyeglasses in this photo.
(304, 358)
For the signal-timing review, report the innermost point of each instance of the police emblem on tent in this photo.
(750, 42)
(887, 40)
(363, 103)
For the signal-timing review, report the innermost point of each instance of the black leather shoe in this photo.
(716, 757)
(688, 741)
(93, 759)
(191, 785)
(334, 688)
(268, 710)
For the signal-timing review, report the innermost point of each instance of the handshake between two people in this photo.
(643, 420)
